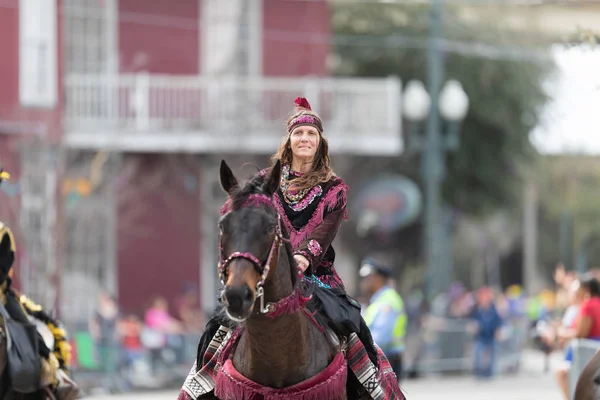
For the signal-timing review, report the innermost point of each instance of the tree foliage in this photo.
(569, 184)
(504, 87)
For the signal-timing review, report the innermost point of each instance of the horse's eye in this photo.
(271, 229)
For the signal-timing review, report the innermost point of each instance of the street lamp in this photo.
(453, 102)
(452, 106)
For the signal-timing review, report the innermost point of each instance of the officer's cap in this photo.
(370, 266)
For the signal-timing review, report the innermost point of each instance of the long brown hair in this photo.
(320, 172)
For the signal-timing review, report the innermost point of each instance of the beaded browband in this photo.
(306, 119)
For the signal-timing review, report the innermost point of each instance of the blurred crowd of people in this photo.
(161, 339)
(570, 311)
(481, 314)
(156, 340)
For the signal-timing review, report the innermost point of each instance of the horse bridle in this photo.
(262, 268)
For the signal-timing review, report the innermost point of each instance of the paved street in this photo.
(530, 384)
(515, 388)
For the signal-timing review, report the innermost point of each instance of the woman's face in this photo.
(304, 142)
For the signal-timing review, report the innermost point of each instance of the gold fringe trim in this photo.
(29, 304)
(49, 371)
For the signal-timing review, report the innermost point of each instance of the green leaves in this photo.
(502, 73)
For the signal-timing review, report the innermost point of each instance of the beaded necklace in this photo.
(291, 196)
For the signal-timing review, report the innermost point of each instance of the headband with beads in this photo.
(306, 119)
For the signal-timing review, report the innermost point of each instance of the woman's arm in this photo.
(584, 326)
(314, 247)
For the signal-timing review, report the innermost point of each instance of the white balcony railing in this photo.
(193, 113)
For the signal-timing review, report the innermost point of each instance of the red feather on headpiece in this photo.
(301, 102)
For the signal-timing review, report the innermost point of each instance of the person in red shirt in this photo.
(585, 326)
(588, 321)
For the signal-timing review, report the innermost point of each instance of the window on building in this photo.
(90, 28)
(38, 53)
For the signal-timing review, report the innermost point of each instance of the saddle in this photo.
(339, 312)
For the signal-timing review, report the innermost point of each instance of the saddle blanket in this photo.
(380, 383)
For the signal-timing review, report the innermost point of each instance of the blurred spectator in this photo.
(189, 311)
(586, 325)
(103, 328)
(131, 331)
(161, 329)
(489, 323)
(158, 318)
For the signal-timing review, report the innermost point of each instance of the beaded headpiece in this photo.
(306, 119)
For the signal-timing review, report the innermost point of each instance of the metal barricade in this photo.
(509, 349)
(446, 346)
(583, 351)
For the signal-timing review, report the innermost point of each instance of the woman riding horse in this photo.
(311, 202)
(311, 198)
(54, 380)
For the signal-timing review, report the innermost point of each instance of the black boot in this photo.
(212, 326)
(367, 340)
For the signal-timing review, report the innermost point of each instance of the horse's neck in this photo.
(277, 352)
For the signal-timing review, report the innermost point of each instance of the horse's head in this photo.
(250, 238)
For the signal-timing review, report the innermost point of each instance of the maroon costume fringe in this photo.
(184, 396)
(334, 199)
(330, 384)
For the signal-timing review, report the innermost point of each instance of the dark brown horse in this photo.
(260, 280)
(588, 384)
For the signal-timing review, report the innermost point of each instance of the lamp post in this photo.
(451, 106)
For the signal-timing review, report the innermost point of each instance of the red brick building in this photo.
(31, 103)
(146, 97)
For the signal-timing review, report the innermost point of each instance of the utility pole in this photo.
(566, 239)
(433, 159)
(530, 237)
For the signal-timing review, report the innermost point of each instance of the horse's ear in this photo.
(228, 181)
(272, 183)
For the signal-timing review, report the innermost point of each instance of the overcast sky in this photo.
(571, 122)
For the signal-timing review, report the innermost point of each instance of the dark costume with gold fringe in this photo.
(21, 308)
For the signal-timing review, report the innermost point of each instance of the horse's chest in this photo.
(330, 383)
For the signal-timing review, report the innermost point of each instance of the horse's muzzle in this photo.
(239, 301)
